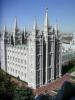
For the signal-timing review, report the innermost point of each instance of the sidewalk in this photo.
(52, 86)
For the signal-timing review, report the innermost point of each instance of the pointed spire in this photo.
(46, 23)
(35, 24)
(15, 24)
(4, 31)
(4, 28)
(24, 30)
(15, 30)
(56, 28)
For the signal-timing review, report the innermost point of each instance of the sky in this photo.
(25, 10)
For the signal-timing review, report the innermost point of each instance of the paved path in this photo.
(52, 86)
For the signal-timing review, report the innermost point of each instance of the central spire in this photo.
(46, 23)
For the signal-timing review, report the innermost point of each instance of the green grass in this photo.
(71, 70)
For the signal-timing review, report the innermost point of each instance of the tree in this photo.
(22, 93)
(6, 87)
(9, 91)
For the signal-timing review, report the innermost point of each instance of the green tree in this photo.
(22, 93)
(6, 87)
(9, 91)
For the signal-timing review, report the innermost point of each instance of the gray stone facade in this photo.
(34, 57)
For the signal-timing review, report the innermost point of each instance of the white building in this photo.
(68, 47)
(34, 57)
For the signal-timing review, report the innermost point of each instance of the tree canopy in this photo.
(9, 91)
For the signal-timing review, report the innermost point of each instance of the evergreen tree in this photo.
(22, 93)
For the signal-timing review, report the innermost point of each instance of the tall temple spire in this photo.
(15, 30)
(15, 25)
(46, 23)
(24, 30)
(35, 27)
(4, 28)
(57, 25)
(57, 28)
(35, 24)
(4, 31)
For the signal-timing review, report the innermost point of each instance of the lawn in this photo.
(71, 70)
